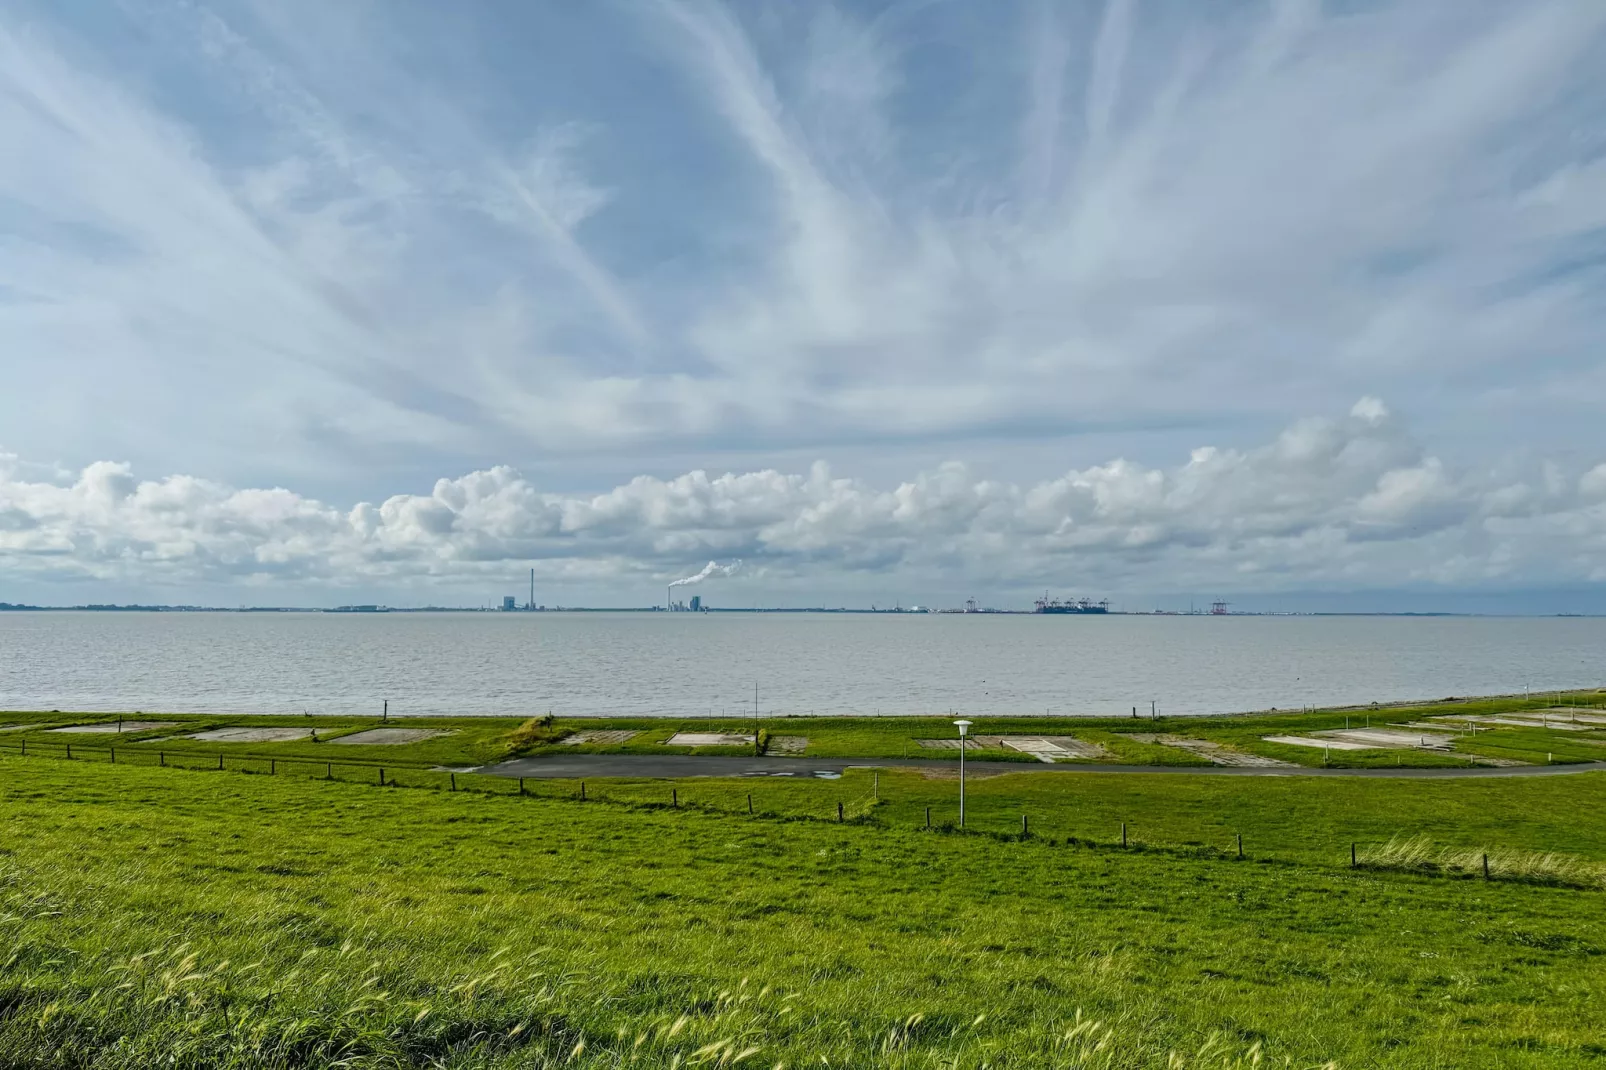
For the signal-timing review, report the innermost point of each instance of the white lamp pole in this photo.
(963, 727)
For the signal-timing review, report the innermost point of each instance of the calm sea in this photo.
(660, 664)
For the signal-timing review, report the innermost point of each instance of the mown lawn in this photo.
(158, 916)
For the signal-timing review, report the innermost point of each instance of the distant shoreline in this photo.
(1448, 701)
(377, 610)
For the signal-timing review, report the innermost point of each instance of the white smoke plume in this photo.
(713, 568)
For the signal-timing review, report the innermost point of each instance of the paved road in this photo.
(677, 766)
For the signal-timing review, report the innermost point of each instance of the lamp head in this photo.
(963, 725)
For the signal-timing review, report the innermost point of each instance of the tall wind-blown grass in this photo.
(72, 996)
(1504, 863)
(533, 733)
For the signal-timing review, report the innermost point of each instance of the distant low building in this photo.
(696, 602)
(509, 603)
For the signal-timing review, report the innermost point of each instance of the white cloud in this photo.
(1349, 500)
(354, 246)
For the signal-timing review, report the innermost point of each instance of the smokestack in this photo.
(713, 568)
(531, 603)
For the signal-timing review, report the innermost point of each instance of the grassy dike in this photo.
(471, 741)
(227, 919)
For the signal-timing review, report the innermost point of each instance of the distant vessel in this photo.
(1046, 604)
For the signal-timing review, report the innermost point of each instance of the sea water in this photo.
(678, 664)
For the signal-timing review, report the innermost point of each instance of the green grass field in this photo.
(162, 916)
(473, 741)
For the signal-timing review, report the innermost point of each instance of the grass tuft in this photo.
(535, 732)
(1419, 853)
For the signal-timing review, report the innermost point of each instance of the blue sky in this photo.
(393, 300)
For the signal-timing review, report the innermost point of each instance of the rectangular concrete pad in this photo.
(112, 727)
(1389, 739)
(787, 744)
(389, 736)
(611, 735)
(707, 739)
(1077, 748)
(1052, 748)
(252, 735)
(1306, 741)
(1215, 753)
(1524, 721)
(1041, 749)
(1579, 714)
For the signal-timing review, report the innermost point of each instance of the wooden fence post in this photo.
(1240, 847)
(69, 752)
(114, 755)
(582, 791)
(381, 776)
(1352, 856)
(928, 817)
(674, 798)
(1024, 831)
(521, 785)
(328, 770)
(839, 811)
(454, 781)
(1123, 834)
(220, 761)
(1485, 867)
(749, 802)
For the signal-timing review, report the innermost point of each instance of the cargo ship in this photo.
(1046, 604)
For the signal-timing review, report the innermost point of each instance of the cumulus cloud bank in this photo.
(1351, 500)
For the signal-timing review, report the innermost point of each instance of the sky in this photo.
(1297, 304)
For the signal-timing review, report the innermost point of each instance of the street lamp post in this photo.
(963, 726)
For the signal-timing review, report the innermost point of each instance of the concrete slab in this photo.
(1524, 721)
(1319, 744)
(1558, 718)
(1217, 754)
(1041, 749)
(385, 737)
(113, 727)
(252, 735)
(607, 736)
(1389, 738)
(1052, 748)
(784, 745)
(948, 744)
(708, 739)
(1578, 714)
